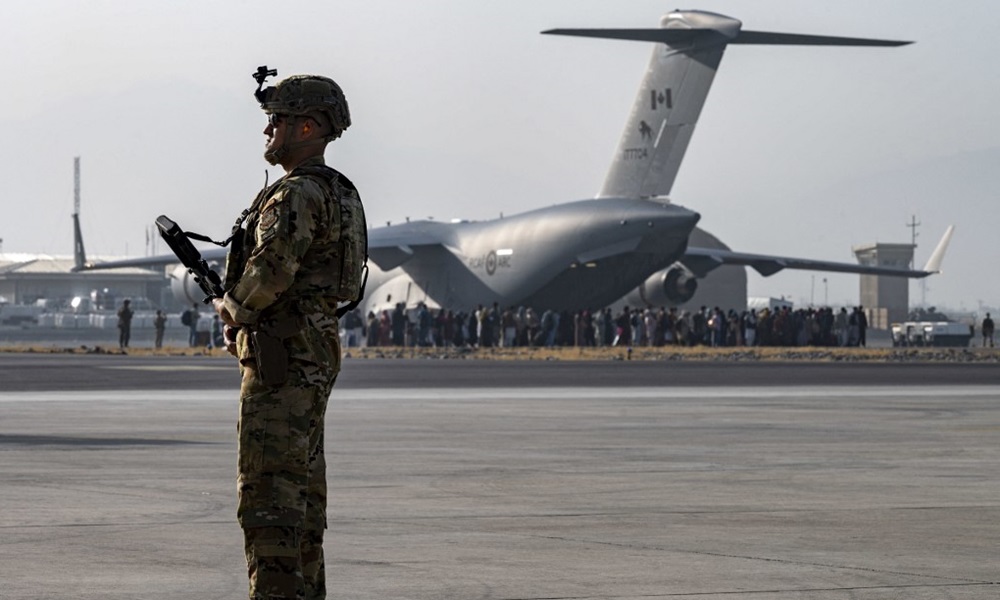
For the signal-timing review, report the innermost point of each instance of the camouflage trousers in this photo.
(282, 481)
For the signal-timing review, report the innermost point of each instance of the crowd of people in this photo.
(493, 326)
(487, 327)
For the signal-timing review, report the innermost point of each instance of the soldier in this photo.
(124, 323)
(302, 253)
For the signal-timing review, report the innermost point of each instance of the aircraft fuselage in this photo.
(571, 256)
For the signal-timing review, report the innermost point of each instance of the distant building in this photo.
(25, 279)
(886, 299)
(760, 303)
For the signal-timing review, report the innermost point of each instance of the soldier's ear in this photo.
(307, 129)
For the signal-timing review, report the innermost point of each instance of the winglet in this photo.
(934, 262)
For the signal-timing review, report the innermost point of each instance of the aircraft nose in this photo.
(691, 218)
(670, 232)
(683, 218)
(675, 219)
(662, 220)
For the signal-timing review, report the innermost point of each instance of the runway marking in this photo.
(371, 396)
(951, 581)
(170, 368)
(769, 592)
(131, 396)
(653, 393)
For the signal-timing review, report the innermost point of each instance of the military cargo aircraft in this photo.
(629, 239)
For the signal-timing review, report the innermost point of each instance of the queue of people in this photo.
(493, 326)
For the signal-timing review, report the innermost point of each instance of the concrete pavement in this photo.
(549, 491)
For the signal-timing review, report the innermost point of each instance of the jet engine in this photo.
(670, 287)
(679, 285)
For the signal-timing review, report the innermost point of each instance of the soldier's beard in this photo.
(274, 155)
(275, 151)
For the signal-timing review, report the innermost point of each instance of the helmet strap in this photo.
(274, 157)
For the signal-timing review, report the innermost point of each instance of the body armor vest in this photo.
(334, 266)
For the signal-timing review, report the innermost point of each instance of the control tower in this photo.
(886, 299)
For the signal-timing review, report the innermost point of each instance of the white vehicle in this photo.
(927, 333)
(19, 314)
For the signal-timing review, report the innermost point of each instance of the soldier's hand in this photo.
(220, 307)
(229, 336)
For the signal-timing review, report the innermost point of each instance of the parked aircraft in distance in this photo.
(590, 253)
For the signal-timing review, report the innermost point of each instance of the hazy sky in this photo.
(461, 109)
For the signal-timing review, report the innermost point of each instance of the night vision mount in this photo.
(260, 77)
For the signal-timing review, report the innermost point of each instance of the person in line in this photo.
(160, 327)
(193, 317)
(216, 340)
(862, 327)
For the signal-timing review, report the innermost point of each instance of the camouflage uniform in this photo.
(305, 248)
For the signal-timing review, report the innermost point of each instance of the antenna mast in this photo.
(913, 224)
(76, 186)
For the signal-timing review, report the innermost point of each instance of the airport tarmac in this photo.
(517, 481)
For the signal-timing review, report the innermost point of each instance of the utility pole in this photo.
(912, 225)
(76, 185)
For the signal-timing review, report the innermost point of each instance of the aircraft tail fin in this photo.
(674, 89)
(934, 262)
(79, 255)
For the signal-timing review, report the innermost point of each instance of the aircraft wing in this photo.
(149, 262)
(702, 260)
(392, 246)
(388, 247)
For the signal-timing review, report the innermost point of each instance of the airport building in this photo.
(886, 299)
(31, 279)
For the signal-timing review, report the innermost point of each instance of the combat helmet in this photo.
(305, 95)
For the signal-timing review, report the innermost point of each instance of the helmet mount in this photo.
(260, 77)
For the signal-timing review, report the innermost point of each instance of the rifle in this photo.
(204, 276)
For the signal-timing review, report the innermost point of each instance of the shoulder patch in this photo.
(268, 219)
